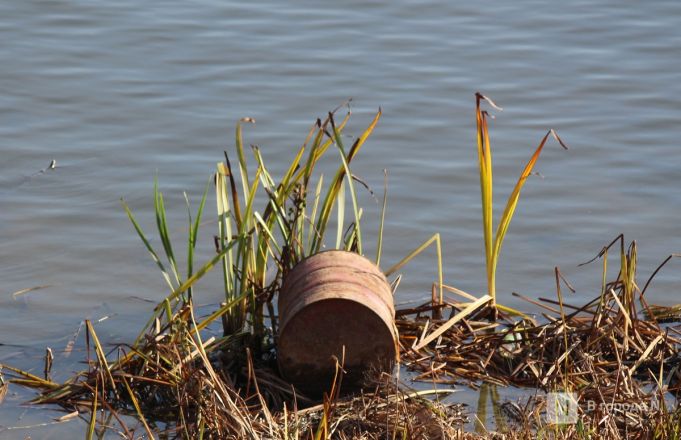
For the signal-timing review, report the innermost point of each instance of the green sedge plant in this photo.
(256, 247)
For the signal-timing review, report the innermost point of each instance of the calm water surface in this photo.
(116, 92)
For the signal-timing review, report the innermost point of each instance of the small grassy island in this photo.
(609, 368)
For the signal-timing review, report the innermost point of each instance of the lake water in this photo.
(116, 92)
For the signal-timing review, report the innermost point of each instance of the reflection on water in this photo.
(489, 396)
(117, 92)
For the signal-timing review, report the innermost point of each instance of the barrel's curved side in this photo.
(318, 283)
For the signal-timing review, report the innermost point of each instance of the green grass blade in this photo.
(248, 223)
(512, 202)
(351, 185)
(325, 213)
(434, 239)
(341, 216)
(332, 192)
(312, 157)
(237, 315)
(194, 231)
(276, 204)
(235, 196)
(41, 382)
(312, 231)
(296, 162)
(317, 151)
(199, 213)
(364, 136)
(162, 225)
(190, 240)
(512, 311)
(274, 212)
(203, 270)
(154, 255)
(379, 244)
(243, 170)
(258, 261)
(266, 230)
(299, 218)
(486, 185)
(138, 409)
(93, 416)
(224, 226)
(100, 353)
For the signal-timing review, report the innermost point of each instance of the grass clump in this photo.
(178, 372)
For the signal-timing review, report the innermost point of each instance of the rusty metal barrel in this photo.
(334, 304)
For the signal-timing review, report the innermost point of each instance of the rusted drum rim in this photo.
(307, 267)
(299, 271)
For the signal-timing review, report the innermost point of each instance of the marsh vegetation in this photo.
(177, 379)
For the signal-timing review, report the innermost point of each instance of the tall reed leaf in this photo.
(493, 242)
(162, 224)
(193, 232)
(147, 244)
